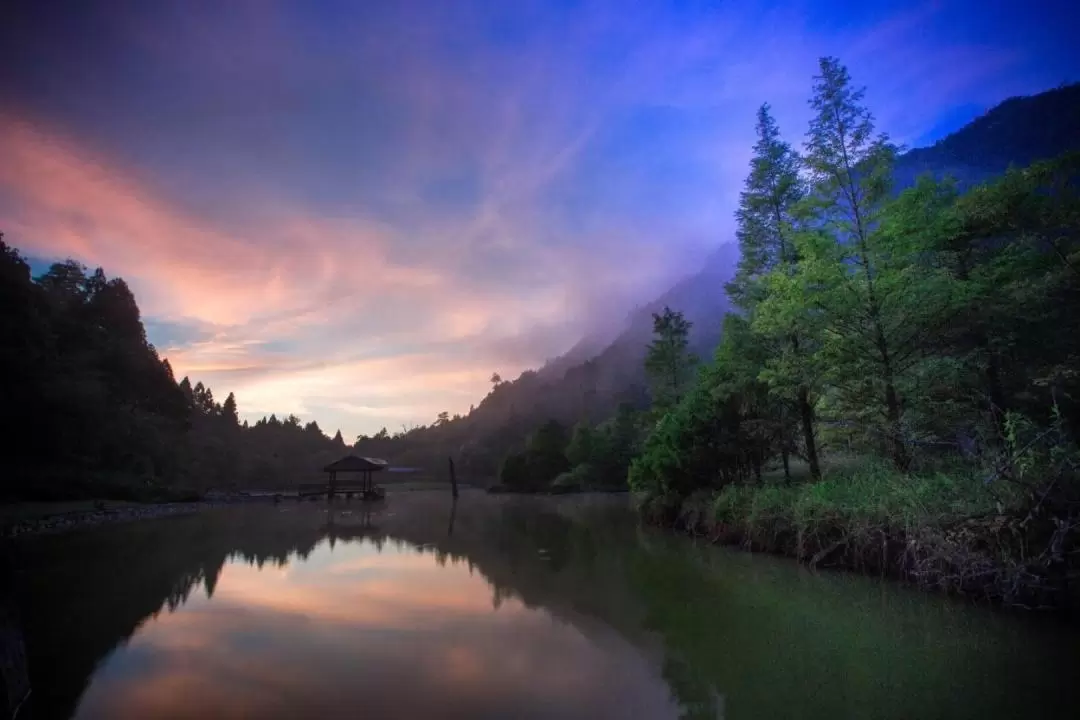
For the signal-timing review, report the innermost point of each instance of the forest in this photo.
(92, 411)
(898, 391)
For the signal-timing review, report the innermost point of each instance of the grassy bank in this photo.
(946, 530)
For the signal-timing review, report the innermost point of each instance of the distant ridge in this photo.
(1018, 131)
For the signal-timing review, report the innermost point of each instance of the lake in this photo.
(498, 607)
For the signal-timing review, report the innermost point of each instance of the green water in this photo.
(498, 608)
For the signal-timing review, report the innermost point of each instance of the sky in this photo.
(357, 212)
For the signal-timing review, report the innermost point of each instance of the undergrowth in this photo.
(955, 529)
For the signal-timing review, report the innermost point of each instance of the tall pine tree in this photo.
(668, 360)
(850, 167)
(766, 226)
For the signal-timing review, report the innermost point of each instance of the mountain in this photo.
(1018, 131)
(592, 379)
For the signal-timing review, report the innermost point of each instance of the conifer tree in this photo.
(850, 167)
(766, 226)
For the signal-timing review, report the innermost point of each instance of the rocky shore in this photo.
(103, 513)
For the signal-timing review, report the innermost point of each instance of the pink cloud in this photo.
(329, 288)
(65, 200)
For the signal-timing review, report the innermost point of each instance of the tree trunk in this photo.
(892, 407)
(997, 395)
(892, 401)
(806, 412)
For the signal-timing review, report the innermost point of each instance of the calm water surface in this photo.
(498, 608)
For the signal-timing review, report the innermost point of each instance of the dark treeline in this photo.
(91, 410)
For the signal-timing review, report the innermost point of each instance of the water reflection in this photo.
(498, 607)
(356, 631)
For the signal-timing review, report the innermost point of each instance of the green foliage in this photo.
(601, 455)
(852, 279)
(932, 332)
(546, 453)
(872, 493)
(543, 459)
(668, 360)
(694, 445)
(514, 473)
(780, 344)
(581, 477)
(583, 444)
(765, 218)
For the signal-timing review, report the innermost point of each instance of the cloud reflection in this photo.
(354, 632)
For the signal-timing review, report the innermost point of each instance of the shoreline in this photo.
(953, 560)
(66, 521)
(19, 520)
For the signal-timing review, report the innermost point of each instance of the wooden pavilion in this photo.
(366, 467)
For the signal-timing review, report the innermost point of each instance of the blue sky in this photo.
(356, 212)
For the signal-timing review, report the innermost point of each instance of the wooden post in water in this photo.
(453, 477)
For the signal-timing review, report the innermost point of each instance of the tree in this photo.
(186, 389)
(546, 453)
(668, 361)
(582, 445)
(762, 420)
(228, 410)
(765, 228)
(765, 217)
(850, 168)
(692, 446)
(1010, 248)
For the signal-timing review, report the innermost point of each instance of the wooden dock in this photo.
(361, 490)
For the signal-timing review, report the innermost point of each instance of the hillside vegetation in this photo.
(899, 392)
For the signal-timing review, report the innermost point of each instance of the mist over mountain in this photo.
(1018, 131)
(596, 375)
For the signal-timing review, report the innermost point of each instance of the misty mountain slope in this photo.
(616, 373)
(589, 382)
(1018, 131)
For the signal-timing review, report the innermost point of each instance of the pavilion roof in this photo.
(354, 463)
